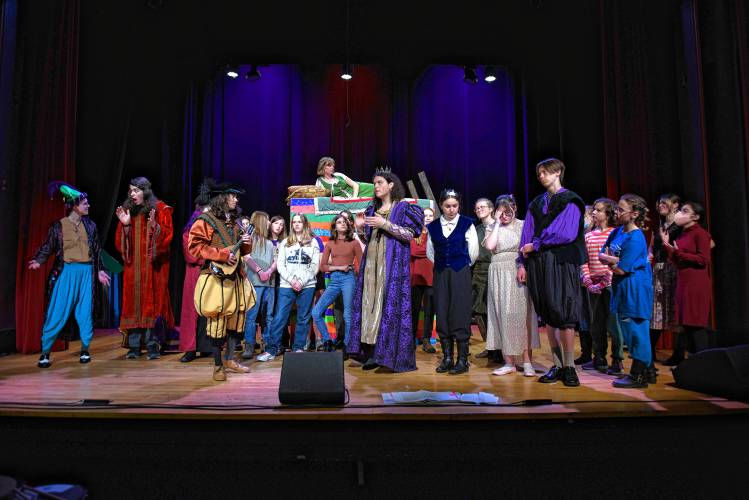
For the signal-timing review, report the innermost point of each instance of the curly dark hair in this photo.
(609, 206)
(149, 199)
(639, 206)
(396, 194)
(219, 207)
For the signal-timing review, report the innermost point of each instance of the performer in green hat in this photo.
(70, 289)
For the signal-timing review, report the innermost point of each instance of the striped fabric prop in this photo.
(321, 211)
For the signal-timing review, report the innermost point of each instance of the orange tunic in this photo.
(204, 244)
(145, 282)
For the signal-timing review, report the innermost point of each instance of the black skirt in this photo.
(555, 288)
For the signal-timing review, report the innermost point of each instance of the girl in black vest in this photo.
(453, 247)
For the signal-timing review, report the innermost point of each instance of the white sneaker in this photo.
(298, 350)
(504, 370)
(528, 370)
(266, 356)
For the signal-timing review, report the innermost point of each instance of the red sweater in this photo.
(422, 269)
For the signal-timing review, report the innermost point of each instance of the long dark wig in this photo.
(149, 199)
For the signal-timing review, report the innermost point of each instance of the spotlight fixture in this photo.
(490, 74)
(469, 74)
(253, 75)
(231, 71)
(346, 73)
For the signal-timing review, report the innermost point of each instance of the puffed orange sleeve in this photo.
(199, 243)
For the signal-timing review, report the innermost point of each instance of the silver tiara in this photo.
(451, 192)
(382, 170)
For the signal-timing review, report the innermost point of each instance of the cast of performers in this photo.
(260, 268)
(223, 294)
(626, 254)
(74, 242)
(380, 332)
(512, 324)
(143, 237)
(341, 258)
(597, 282)
(298, 262)
(453, 247)
(664, 278)
(339, 185)
(552, 249)
(484, 210)
(422, 275)
(690, 253)
(192, 335)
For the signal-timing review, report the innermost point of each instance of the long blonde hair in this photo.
(259, 219)
(306, 237)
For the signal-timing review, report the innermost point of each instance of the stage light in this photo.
(253, 75)
(469, 74)
(490, 74)
(231, 72)
(346, 73)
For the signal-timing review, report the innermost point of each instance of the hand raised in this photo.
(34, 264)
(123, 215)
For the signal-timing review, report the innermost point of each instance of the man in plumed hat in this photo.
(223, 294)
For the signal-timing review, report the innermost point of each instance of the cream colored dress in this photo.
(512, 325)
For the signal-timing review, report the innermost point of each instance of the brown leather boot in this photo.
(219, 374)
(235, 367)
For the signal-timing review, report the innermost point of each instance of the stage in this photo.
(167, 388)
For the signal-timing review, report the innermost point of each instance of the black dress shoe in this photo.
(85, 358)
(550, 377)
(187, 357)
(673, 361)
(569, 376)
(584, 358)
(369, 364)
(43, 361)
(327, 346)
(616, 368)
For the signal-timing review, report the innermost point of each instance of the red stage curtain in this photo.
(47, 131)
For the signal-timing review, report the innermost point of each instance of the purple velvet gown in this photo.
(395, 347)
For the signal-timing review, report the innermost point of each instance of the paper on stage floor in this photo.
(415, 397)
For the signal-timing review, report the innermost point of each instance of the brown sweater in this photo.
(341, 253)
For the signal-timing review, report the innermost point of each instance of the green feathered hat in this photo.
(70, 195)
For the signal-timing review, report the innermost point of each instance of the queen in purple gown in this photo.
(381, 328)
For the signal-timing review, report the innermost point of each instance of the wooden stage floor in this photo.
(177, 390)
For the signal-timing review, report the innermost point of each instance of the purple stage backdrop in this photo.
(269, 134)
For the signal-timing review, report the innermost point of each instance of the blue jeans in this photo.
(266, 299)
(341, 283)
(286, 298)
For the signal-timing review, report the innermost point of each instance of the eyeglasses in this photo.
(621, 211)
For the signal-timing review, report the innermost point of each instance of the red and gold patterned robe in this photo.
(145, 282)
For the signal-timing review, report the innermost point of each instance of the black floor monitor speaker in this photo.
(721, 372)
(312, 378)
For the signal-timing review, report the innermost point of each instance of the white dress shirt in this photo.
(448, 226)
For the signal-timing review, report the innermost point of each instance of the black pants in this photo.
(600, 304)
(453, 303)
(422, 295)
